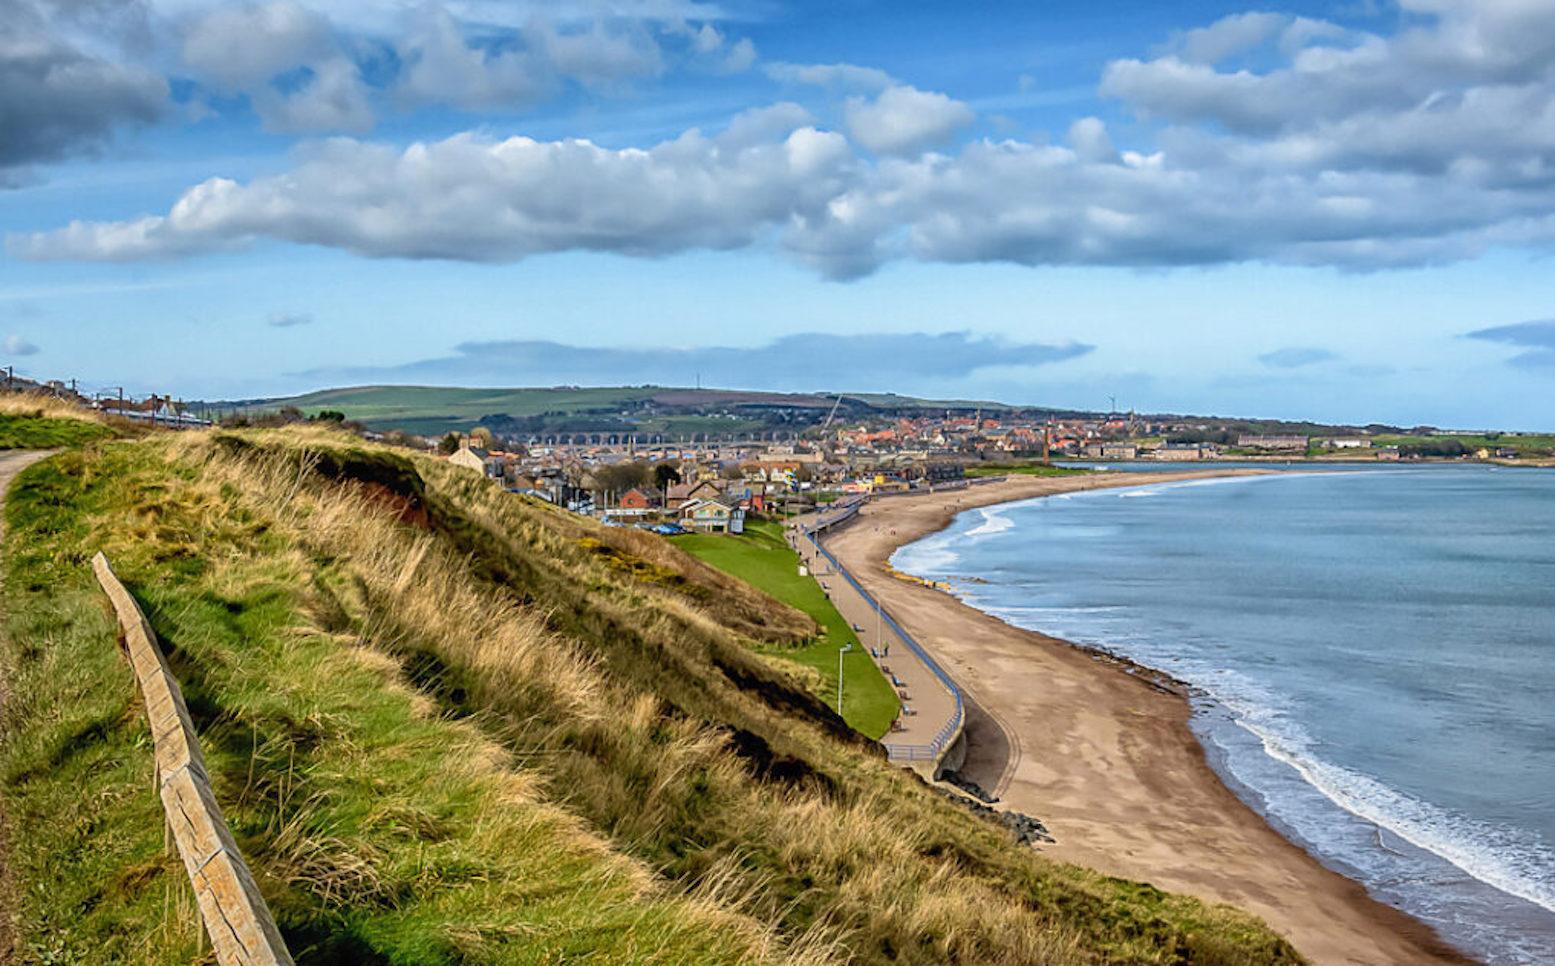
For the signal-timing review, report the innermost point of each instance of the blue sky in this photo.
(1338, 211)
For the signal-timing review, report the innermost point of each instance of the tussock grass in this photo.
(446, 727)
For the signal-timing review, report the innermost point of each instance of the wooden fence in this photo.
(234, 914)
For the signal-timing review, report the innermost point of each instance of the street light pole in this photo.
(841, 651)
(879, 628)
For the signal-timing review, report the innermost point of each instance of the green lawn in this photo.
(42, 432)
(1021, 469)
(762, 558)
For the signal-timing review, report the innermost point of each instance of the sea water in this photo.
(1374, 651)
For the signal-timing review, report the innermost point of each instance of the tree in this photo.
(483, 437)
(664, 475)
(449, 444)
(620, 477)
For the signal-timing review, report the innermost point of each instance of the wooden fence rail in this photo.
(239, 924)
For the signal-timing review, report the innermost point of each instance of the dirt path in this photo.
(11, 463)
(1106, 758)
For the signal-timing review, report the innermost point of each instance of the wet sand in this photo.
(1101, 751)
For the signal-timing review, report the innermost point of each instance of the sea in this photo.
(1372, 649)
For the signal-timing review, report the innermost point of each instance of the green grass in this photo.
(1530, 445)
(381, 833)
(1021, 469)
(762, 558)
(43, 432)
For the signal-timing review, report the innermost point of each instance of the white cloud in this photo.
(333, 99)
(839, 76)
(247, 49)
(597, 53)
(243, 48)
(905, 120)
(1229, 36)
(15, 345)
(1353, 150)
(1088, 136)
(468, 198)
(439, 66)
(741, 56)
(767, 180)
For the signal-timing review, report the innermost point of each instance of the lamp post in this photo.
(879, 628)
(840, 652)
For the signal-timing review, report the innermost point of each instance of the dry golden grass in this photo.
(40, 405)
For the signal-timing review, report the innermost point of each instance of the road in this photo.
(11, 464)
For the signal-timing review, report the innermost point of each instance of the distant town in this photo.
(704, 459)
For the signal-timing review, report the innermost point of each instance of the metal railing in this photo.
(897, 751)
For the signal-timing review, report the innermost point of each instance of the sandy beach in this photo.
(1102, 752)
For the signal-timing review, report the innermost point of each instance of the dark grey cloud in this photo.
(1537, 338)
(1294, 357)
(57, 100)
(812, 361)
(288, 320)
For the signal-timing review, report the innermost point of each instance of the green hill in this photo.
(453, 725)
(432, 410)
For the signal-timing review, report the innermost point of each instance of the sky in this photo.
(1336, 211)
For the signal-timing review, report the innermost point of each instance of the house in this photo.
(477, 459)
(1388, 453)
(1119, 451)
(1179, 452)
(682, 493)
(1246, 441)
(1349, 442)
(712, 516)
(638, 499)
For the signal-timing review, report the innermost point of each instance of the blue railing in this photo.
(942, 738)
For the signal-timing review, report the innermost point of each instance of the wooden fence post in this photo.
(233, 912)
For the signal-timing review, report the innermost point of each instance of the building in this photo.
(1176, 452)
(712, 516)
(638, 499)
(944, 472)
(1388, 453)
(682, 493)
(1349, 442)
(1247, 441)
(477, 459)
(1119, 451)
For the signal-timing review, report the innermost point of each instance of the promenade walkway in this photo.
(932, 715)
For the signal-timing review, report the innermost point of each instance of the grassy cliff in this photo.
(452, 725)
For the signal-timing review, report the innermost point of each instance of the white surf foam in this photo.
(1515, 861)
(994, 521)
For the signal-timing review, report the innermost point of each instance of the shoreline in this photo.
(1100, 749)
